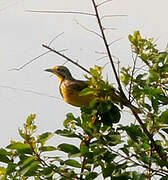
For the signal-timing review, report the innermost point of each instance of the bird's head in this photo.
(61, 71)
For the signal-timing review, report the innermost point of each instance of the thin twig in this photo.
(164, 172)
(132, 75)
(30, 91)
(88, 29)
(125, 100)
(61, 12)
(109, 16)
(115, 41)
(104, 2)
(104, 28)
(65, 57)
(17, 69)
(10, 5)
(83, 167)
(107, 48)
(101, 58)
(150, 136)
(55, 38)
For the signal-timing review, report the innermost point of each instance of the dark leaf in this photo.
(73, 163)
(68, 148)
(25, 148)
(44, 137)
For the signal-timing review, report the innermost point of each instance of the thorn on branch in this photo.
(115, 41)
(103, 2)
(88, 29)
(109, 16)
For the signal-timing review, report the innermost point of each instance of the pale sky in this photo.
(23, 33)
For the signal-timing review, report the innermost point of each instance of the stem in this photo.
(83, 167)
(153, 143)
(107, 48)
(65, 57)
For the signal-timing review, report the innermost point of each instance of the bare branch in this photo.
(107, 48)
(61, 12)
(124, 98)
(132, 74)
(55, 38)
(88, 29)
(115, 41)
(104, 28)
(104, 2)
(99, 52)
(65, 57)
(30, 91)
(109, 16)
(17, 69)
(10, 5)
(161, 154)
(101, 58)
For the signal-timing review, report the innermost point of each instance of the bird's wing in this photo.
(75, 85)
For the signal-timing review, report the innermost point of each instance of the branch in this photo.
(83, 167)
(65, 57)
(108, 16)
(88, 29)
(153, 143)
(132, 75)
(30, 91)
(55, 38)
(61, 12)
(104, 2)
(164, 172)
(17, 69)
(107, 48)
(125, 100)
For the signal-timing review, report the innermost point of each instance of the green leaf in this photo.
(87, 91)
(73, 163)
(47, 148)
(30, 170)
(84, 149)
(155, 104)
(164, 117)
(91, 176)
(4, 156)
(67, 133)
(30, 119)
(108, 170)
(71, 120)
(11, 168)
(22, 134)
(28, 161)
(68, 148)
(44, 137)
(25, 148)
(134, 132)
(152, 91)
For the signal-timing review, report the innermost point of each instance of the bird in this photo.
(70, 88)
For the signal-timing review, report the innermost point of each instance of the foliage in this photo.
(106, 147)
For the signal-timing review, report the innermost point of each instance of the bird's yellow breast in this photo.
(72, 97)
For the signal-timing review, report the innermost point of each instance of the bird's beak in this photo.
(48, 70)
